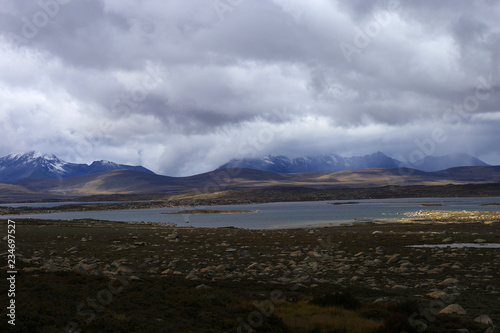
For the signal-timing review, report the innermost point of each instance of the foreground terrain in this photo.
(98, 276)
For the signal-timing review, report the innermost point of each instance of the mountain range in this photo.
(35, 176)
(35, 165)
(334, 163)
(135, 182)
(38, 166)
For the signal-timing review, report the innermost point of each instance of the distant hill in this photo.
(35, 176)
(334, 162)
(130, 181)
(35, 165)
(322, 163)
(436, 163)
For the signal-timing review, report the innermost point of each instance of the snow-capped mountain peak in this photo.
(36, 165)
(334, 162)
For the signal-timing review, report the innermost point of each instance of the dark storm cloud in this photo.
(183, 86)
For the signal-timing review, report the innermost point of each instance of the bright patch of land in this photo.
(212, 211)
(451, 216)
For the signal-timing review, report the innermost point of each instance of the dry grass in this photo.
(304, 317)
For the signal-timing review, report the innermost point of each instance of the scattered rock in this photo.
(73, 249)
(134, 278)
(394, 259)
(203, 286)
(480, 240)
(447, 298)
(123, 270)
(356, 278)
(447, 240)
(383, 300)
(484, 319)
(80, 270)
(89, 268)
(192, 276)
(255, 265)
(453, 308)
(449, 281)
(399, 287)
(492, 330)
(314, 254)
(30, 269)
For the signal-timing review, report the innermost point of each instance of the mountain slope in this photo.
(323, 163)
(129, 181)
(35, 165)
(334, 162)
(436, 163)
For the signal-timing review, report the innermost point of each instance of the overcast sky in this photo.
(183, 86)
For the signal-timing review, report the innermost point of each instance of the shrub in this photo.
(406, 307)
(396, 323)
(340, 299)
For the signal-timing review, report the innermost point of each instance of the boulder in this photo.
(399, 287)
(203, 286)
(484, 319)
(256, 266)
(449, 281)
(123, 270)
(394, 259)
(447, 298)
(134, 278)
(383, 301)
(79, 269)
(453, 308)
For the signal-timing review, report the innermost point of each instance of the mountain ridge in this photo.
(135, 182)
(335, 162)
(35, 165)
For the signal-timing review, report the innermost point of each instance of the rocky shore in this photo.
(373, 262)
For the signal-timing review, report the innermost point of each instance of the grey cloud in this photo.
(80, 86)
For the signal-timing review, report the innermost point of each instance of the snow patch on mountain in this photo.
(334, 162)
(35, 165)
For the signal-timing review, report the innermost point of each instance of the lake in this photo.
(284, 214)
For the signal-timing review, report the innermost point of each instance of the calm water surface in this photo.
(284, 214)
